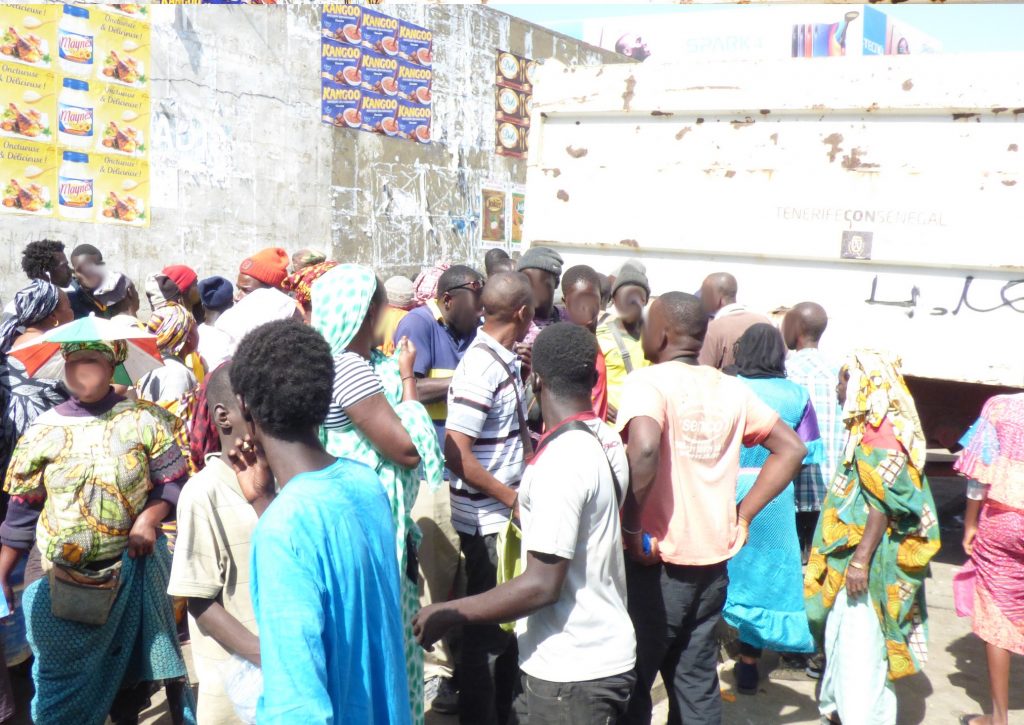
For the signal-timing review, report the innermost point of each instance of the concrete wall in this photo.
(240, 159)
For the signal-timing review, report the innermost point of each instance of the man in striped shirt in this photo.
(803, 328)
(486, 445)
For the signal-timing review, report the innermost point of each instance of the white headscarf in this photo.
(256, 308)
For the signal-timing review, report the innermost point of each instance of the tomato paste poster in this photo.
(376, 73)
(493, 209)
(75, 112)
(513, 102)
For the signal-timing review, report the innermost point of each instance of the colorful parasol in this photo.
(42, 358)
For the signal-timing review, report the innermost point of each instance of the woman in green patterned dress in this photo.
(376, 419)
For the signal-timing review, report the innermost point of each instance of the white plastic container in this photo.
(75, 115)
(75, 42)
(75, 187)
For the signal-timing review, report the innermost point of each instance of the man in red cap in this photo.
(266, 268)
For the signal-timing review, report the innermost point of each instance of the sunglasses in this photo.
(475, 287)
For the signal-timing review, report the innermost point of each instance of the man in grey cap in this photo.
(544, 268)
(619, 336)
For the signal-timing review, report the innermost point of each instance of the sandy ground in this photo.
(954, 682)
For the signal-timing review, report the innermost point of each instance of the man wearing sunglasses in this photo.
(442, 330)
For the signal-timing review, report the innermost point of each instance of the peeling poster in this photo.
(492, 212)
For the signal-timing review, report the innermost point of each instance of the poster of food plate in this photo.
(75, 111)
(376, 73)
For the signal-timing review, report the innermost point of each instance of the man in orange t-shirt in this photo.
(684, 425)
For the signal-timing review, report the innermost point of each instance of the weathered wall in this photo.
(240, 159)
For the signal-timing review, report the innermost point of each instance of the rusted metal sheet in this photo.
(887, 189)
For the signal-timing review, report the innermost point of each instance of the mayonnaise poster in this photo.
(28, 176)
(376, 73)
(75, 111)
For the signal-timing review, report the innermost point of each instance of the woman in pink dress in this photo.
(993, 460)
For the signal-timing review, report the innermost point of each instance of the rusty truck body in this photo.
(889, 189)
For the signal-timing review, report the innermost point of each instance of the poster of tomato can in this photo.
(512, 103)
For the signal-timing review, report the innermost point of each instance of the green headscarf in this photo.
(341, 298)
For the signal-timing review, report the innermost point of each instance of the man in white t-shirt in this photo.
(576, 643)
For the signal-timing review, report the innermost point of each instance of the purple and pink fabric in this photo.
(993, 456)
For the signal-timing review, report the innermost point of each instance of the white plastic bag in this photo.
(243, 682)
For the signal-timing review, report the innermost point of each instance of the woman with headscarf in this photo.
(176, 337)
(764, 601)
(300, 284)
(38, 307)
(375, 418)
(90, 482)
(864, 584)
(993, 461)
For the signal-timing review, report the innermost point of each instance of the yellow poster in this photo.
(27, 102)
(28, 34)
(122, 190)
(28, 176)
(122, 49)
(122, 120)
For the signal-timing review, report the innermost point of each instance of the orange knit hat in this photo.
(269, 266)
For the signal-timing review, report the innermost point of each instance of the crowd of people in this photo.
(516, 495)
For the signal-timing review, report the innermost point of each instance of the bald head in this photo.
(676, 325)
(719, 289)
(804, 325)
(505, 294)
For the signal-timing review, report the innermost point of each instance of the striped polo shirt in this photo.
(482, 402)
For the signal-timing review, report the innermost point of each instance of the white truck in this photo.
(889, 189)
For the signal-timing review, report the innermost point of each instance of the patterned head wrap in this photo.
(877, 392)
(34, 302)
(307, 258)
(116, 351)
(300, 284)
(341, 299)
(426, 283)
(173, 326)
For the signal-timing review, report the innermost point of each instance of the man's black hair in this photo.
(564, 357)
(456, 276)
(87, 250)
(37, 257)
(581, 273)
(284, 372)
(493, 258)
(218, 388)
(684, 314)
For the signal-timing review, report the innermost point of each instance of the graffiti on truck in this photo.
(1011, 295)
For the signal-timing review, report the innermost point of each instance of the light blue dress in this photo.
(765, 599)
(325, 591)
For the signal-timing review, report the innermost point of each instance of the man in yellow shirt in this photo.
(619, 337)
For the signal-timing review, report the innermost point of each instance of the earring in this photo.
(56, 323)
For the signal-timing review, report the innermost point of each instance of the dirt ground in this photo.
(955, 680)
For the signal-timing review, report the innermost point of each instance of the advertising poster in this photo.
(884, 37)
(376, 73)
(28, 175)
(121, 189)
(821, 40)
(492, 213)
(512, 103)
(517, 209)
(75, 112)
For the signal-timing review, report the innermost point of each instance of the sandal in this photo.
(966, 719)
